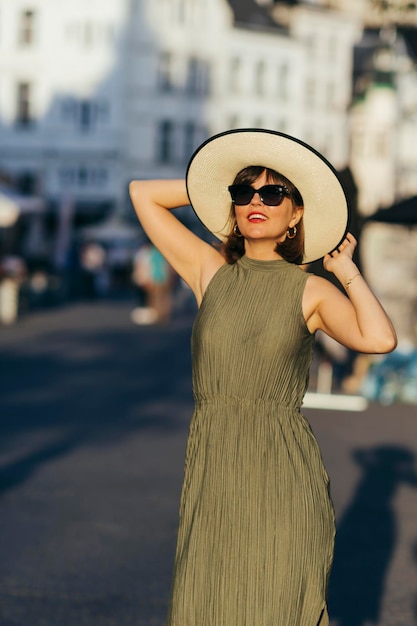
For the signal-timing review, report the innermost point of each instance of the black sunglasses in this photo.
(272, 195)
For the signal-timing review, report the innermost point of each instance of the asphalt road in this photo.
(93, 422)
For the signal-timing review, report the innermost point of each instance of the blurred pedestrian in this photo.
(153, 278)
(13, 274)
(255, 540)
(94, 271)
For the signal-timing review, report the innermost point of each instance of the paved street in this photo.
(94, 415)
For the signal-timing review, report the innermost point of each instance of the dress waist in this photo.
(202, 399)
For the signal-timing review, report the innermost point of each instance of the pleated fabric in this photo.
(256, 527)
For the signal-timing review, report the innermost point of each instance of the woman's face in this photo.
(257, 221)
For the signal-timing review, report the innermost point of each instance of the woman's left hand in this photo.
(339, 256)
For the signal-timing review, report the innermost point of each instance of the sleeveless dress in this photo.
(256, 530)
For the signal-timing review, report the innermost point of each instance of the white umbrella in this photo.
(112, 230)
(13, 204)
(9, 211)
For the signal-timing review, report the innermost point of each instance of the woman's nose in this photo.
(256, 198)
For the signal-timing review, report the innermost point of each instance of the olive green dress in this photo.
(255, 540)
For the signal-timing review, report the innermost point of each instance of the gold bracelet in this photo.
(349, 282)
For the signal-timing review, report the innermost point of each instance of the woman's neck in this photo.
(261, 251)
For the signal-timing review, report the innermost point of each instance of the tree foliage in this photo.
(394, 5)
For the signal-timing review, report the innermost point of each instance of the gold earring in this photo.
(237, 231)
(293, 234)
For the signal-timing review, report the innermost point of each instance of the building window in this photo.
(66, 177)
(103, 111)
(26, 36)
(235, 72)
(260, 78)
(166, 142)
(331, 96)
(333, 47)
(166, 80)
(23, 112)
(180, 11)
(194, 135)
(197, 77)
(310, 92)
(85, 114)
(68, 110)
(312, 43)
(193, 76)
(101, 176)
(83, 176)
(190, 133)
(27, 183)
(283, 74)
(88, 34)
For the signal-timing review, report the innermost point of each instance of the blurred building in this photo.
(383, 111)
(93, 94)
(384, 118)
(62, 119)
(377, 13)
(382, 156)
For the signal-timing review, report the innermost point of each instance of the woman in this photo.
(256, 532)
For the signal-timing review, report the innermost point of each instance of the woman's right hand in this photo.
(192, 258)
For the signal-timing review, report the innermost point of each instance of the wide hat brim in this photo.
(214, 165)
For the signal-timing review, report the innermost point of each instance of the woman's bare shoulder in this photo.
(317, 289)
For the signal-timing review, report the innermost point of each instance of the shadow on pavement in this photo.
(18, 471)
(367, 534)
(415, 597)
(70, 387)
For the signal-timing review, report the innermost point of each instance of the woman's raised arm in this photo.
(193, 259)
(358, 321)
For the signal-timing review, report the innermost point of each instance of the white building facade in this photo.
(292, 75)
(383, 130)
(93, 94)
(328, 38)
(62, 88)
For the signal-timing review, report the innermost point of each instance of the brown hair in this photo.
(291, 250)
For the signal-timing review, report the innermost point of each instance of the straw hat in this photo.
(216, 162)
